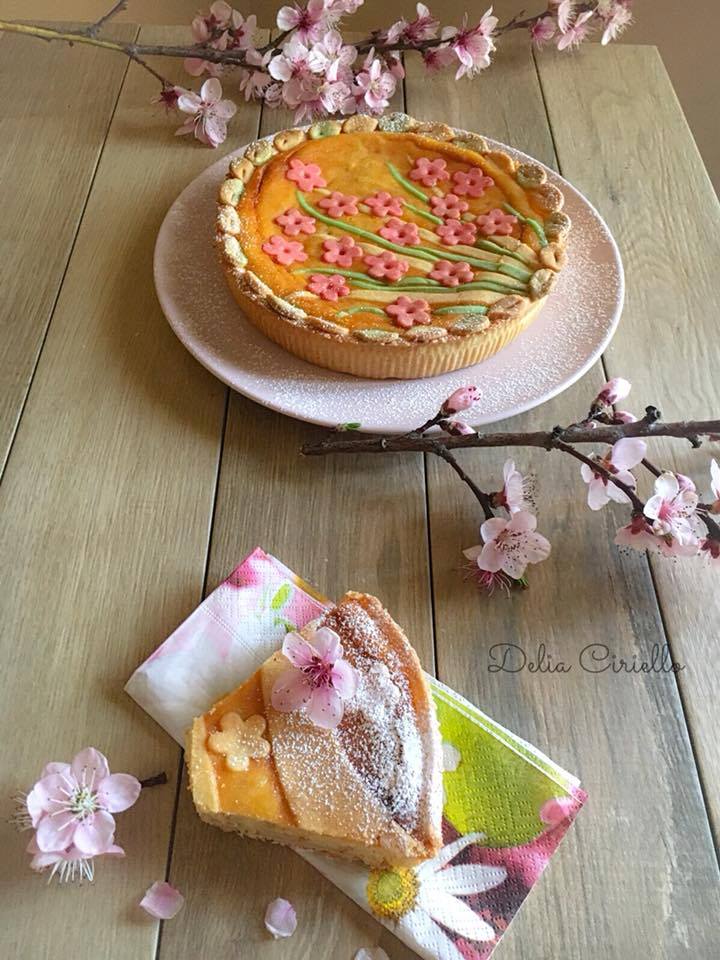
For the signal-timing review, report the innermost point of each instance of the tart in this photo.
(367, 789)
(388, 248)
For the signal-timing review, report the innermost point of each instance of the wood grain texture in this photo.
(614, 890)
(52, 136)
(648, 179)
(106, 507)
(355, 525)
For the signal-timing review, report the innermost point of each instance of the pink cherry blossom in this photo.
(284, 251)
(331, 56)
(374, 84)
(715, 486)
(314, 96)
(72, 806)
(518, 492)
(710, 550)
(429, 172)
(406, 312)
(208, 113)
(614, 390)
(616, 16)
(168, 97)
(473, 45)
(255, 83)
(451, 274)
(293, 61)
(618, 461)
(386, 266)
(622, 416)
(437, 58)
(449, 205)
(162, 901)
(576, 31)
(509, 545)
(308, 176)
(400, 231)
(453, 232)
(487, 580)
(339, 204)
(496, 222)
(424, 27)
(70, 865)
(294, 222)
(471, 183)
(639, 535)
(565, 11)
(319, 679)
(328, 286)
(280, 919)
(672, 510)
(342, 251)
(542, 30)
(307, 21)
(461, 399)
(383, 203)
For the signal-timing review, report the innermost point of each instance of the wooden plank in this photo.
(52, 136)
(648, 179)
(342, 525)
(614, 889)
(106, 509)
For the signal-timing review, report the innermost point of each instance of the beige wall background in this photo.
(686, 34)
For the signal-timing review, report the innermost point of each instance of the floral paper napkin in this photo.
(507, 806)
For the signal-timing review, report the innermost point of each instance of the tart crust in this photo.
(302, 324)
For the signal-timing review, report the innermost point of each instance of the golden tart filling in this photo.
(392, 237)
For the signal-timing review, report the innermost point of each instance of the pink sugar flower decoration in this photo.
(72, 804)
(293, 222)
(284, 251)
(429, 172)
(339, 204)
(453, 232)
(496, 222)
(451, 274)
(400, 231)
(509, 545)
(619, 460)
(472, 183)
(280, 919)
(328, 286)
(383, 203)
(162, 901)
(319, 680)
(448, 206)
(308, 176)
(341, 252)
(406, 312)
(386, 266)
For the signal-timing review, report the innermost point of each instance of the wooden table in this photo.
(134, 481)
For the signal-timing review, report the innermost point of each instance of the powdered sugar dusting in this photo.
(569, 334)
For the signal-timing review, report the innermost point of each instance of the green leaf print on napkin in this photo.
(281, 597)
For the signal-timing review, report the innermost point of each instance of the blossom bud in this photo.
(457, 428)
(622, 416)
(462, 399)
(614, 390)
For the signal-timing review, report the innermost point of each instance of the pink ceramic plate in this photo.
(571, 332)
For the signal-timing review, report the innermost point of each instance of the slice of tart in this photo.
(389, 248)
(339, 755)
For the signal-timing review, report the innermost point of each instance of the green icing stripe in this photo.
(423, 213)
(409, 186)
(496, 248)
(351, 310)
(463, 308)
(533, 224)
(353, 274)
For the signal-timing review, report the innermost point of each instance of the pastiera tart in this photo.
(388, 248)
(368, 788)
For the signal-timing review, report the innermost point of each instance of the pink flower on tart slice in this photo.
(429, 172)
(400, 231)
(448, 206)
(406, 312)
(385, 266)
(339, 204)
(496, 222)
(328, 286)
(319, 679)
(293, 222)
(73, 807)
(308, 176)
(451, 274)
(342, 251)
(284, 251)
(453, 232)
(471, 183)
(383, 203)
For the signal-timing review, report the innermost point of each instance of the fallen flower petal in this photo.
(162, 901)
(280, 919)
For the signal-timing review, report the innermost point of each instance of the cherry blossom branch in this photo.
(156, 781)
